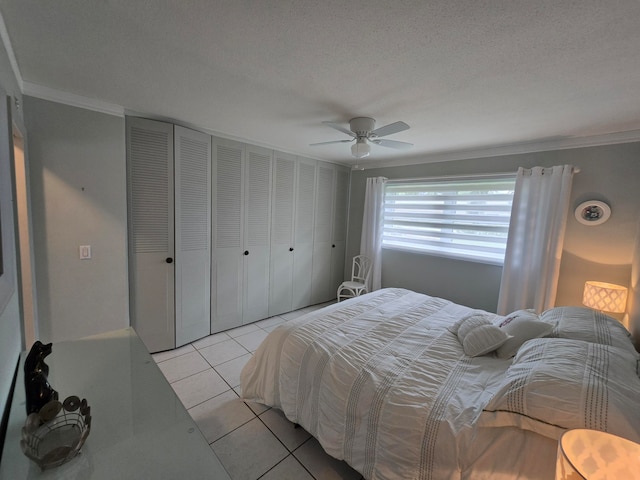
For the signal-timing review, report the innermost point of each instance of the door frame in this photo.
(23, 222)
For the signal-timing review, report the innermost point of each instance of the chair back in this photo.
(361, 269)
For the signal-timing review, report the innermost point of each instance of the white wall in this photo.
(78, 197)
(10, 324)
(608, 173)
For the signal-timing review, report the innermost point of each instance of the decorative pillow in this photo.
(479, 336)
(581, 323)
(475, 314)
(456, 326)
(558, 384)
(521, 325)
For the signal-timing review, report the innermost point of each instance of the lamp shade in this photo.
(605, 296)
(361, 148)
(593, 455)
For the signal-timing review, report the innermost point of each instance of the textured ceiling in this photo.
(463, 74)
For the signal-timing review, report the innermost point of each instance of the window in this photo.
(463, 217)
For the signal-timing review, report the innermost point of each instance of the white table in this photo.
(139, 428)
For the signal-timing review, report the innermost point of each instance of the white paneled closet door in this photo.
(303, 232)
(151, 231)
(227, 228)
(339, 235)
(282, 241)
(321, 287)
(193, 236)
(257, 236)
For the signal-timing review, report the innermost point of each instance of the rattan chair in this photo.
(360, 273)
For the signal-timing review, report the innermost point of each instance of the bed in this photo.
(402, 385)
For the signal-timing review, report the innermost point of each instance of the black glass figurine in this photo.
(37, 388)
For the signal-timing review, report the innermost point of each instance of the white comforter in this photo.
(383, 385)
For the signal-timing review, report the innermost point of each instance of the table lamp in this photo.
(594, 455)
(605, 297)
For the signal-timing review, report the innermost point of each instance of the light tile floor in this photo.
(251, 440)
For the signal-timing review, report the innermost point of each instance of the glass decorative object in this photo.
(56, 433)
(37, 389)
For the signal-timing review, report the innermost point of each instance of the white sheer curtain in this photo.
(372, 223)
(536, 235)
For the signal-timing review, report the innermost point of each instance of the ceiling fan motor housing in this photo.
(362, 126)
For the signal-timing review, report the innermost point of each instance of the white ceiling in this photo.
(464, 74)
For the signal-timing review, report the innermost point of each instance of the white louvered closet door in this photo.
(340, 213)
(321, 287)
(303, 232)
(282, 243)
(193, 234)
(227, 257)
(257, 223)
(151, 231)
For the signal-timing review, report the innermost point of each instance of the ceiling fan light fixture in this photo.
(363, 131)
(361, 148)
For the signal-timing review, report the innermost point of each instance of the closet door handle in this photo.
(291, 249)
(333, 246)
(246, 252)
(169, 260)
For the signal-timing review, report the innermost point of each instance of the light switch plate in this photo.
(85, 252)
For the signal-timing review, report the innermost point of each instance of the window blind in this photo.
(465, 218)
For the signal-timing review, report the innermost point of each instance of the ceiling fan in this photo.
(362, 130)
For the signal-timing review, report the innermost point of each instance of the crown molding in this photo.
(46, 93)
(513, 149)
(4, 35)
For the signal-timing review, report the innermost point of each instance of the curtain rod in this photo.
(461, 176)
(454, 177)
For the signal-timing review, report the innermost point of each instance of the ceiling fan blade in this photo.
(327, 143)
(393, 144)
(340, 128)
(390, 129)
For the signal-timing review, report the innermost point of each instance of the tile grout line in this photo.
(188, 376)
(231, 431)
(210, 367)
(233, 358)
(212, 344)
(295, 459)
(241, 345)
(217, 333)
(217, 373)
(254, 415)
(275, 435)
(290, 452)
(171, 358)
(232, 388)
(239, 426)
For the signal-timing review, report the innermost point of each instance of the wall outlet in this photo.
(85, 252)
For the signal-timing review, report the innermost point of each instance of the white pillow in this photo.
(456, 326)
(473, 315)
(479, 336)
(582, 323)
(559, 384)
(521, 325)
